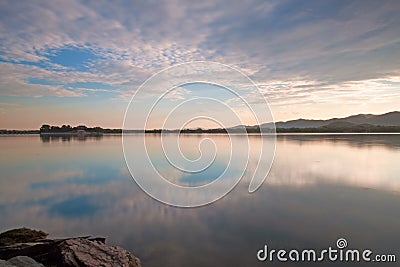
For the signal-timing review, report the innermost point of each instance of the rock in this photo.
(99, 239)
(78, 251)
(5, 264)
(24, 261)
(83, 252)
(20, 235)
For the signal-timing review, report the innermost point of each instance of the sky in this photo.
(80, 62)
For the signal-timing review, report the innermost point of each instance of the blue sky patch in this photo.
(70, 57)
(202, 89)
(74, 58)
(33, 80)
(92, 85)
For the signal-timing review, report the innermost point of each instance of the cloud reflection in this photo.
(315, 193)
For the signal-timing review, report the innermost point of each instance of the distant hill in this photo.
(361, 123)
(387, 119)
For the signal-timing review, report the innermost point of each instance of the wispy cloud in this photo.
(297, 51)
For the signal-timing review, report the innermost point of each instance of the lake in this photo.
(320, 188)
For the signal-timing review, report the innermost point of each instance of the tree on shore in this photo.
(45, 128)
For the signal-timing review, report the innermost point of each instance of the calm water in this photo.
(320, 188)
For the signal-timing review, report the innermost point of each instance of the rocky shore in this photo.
(31, 248)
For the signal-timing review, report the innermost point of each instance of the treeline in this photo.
(187, 131)
(19, 131)
(67, 129)
(208, 131)
(363, 128)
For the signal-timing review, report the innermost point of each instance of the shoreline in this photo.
(205, 133)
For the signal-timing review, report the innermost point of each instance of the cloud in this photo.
(314, 50)
(308, 92)
(13, 82)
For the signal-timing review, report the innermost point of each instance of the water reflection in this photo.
(391, 141)
(320, 188)
(68, 138)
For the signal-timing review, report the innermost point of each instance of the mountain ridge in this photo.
(387, 119)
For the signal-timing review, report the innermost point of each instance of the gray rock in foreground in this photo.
(69, 252)
(20, 261)
(83, 252)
